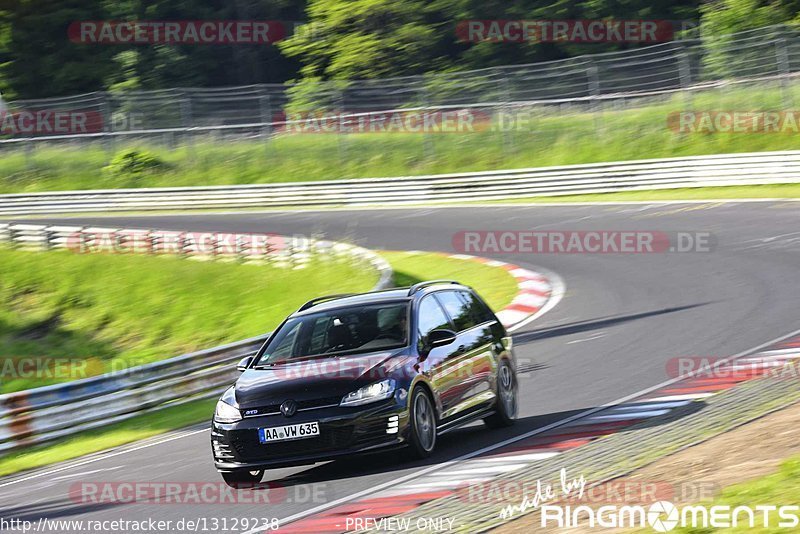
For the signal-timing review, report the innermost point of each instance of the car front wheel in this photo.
(422, 438)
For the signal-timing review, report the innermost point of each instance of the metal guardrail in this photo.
(695, 171)
(680, 64)
(53, 412)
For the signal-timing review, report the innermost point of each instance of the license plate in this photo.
(288, 432)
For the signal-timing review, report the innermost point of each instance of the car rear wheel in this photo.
(422, 437)
(242, 479)
(506, 405)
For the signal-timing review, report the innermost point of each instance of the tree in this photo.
(39, 60)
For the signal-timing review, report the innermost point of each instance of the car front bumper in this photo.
(344, 431)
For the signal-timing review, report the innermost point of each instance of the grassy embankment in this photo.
(557, 138)
(129, 308)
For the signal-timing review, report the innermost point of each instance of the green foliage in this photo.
(342, 39)
(559, 137)
(113, 311)
(134, 162)
(723, 18)
(37, 58)
(781, 488)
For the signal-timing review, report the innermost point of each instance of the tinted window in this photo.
(478, 310)
(457, 308)
(350, 330)
(431, 317)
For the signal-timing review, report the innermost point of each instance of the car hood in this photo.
(316, 378)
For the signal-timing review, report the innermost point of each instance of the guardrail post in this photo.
(782, 61)
(505, 109)
(181, 245)
(5, 232)
(108, 124)
(341, 140)
(428, 150)
(265, 107)
(593, 77)
(28, 154)
(187, 121)
(152, 242)
(240, 248)
(685, 74)
(48, 239)
(12, 235)
(84, 238)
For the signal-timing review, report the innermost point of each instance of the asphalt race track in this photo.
(622, 317)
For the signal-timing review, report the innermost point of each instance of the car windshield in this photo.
(350, 330)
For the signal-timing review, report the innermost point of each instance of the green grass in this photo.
(552, 136)
(777, 489)
(686, 193)
(104, 312)
(493, 283)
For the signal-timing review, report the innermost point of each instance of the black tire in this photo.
(422, 423)
(242, 479)
(505, 410)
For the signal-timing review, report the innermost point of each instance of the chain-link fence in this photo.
(588, 94)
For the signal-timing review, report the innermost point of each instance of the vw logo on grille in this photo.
(289, 408)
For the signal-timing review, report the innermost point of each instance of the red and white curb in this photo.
(518, 453)
(537, 292)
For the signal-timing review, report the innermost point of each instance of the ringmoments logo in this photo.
(664, 516)
(554, 502)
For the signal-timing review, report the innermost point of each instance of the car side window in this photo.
(458, 309)
(430, 317)
(479, 311)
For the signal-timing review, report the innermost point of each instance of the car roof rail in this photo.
(313, 302)
(416, 287)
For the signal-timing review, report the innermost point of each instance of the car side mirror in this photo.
(244, 363)
(440, 338)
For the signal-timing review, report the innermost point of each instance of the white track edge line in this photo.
(103, 457)
(556, 424)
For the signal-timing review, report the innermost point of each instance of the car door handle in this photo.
(461, 349)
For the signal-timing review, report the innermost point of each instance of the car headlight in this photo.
(371, 393)
(225, 411)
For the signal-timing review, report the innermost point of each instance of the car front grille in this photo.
(250, 449)
(271, 409)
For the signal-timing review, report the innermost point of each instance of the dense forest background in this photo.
(332, 39)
